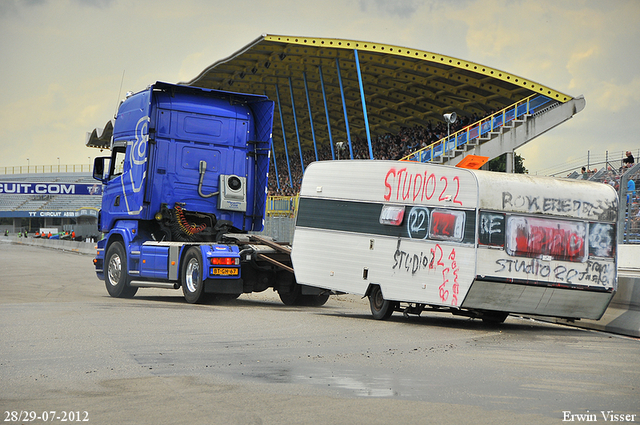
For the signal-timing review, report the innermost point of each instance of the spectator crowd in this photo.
(410, 139)
(611, 174)
(388, 146)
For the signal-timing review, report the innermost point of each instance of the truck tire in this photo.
(293, 297)
(116, 278)
(381, 309)
(314, 300)
(192, 283)
(225, 298)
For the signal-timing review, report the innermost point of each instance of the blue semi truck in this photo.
(185, 191)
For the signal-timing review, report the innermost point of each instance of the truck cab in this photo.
(185, 182)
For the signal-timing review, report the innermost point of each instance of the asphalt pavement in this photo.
(68, 348)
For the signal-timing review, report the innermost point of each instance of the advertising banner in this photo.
(40, 188)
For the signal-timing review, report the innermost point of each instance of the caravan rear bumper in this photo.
(537, 300)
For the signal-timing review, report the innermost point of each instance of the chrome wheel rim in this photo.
(192, 276)
(115, 270)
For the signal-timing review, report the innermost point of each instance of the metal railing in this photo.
(36, 169)
(629, 206)
(478, 129)
(626, 181)
(282, 206)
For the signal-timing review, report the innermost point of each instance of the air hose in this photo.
(203, 168)
(187, 228)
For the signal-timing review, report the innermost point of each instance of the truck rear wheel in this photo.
(225, 298)
(116, 279)
(381, 309)
(192, 283)
(293, 297)
(314, 300)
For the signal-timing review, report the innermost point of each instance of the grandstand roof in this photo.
(403, 87)
(100, 138)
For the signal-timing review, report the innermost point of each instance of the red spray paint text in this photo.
(401, 185)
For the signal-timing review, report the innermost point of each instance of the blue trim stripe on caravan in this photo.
(361, 217)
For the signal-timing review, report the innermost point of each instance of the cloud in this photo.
(614, 97)
(64, 59)
(400, 8)
(100, 4)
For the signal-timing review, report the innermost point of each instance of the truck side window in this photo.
(117, 164)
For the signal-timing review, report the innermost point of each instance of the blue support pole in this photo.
(364, 104)
(344, 108)
(284, 136)
(273, 158)
(313, 133)
(275, 165)
(326, 111)
(295, 121)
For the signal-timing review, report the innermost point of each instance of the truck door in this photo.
(123, 194)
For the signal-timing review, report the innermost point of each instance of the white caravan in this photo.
(414, 237)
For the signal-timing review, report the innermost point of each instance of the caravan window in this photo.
(491, 229)
(602, 240)
(546, 238)
(447, 225)
(437, 224)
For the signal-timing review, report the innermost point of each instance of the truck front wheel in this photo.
(192, 283)
(117, 279)
(381, 309)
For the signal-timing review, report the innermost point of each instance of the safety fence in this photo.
(625, 180)
(475, 131)
(282, 206)
(86, 247)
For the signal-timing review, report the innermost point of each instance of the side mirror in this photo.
(101, 168)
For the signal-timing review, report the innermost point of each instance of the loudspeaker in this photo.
(450, 118)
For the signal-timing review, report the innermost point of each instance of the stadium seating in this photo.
(29, 202)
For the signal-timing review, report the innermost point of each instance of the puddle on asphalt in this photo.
(354, 382)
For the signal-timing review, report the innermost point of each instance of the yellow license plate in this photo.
(224, 271)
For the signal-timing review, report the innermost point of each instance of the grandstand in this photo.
(60, 201)
(349, 99)
(30, 212)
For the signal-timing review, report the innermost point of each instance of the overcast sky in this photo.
(63, 60)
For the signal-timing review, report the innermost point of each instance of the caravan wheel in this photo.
(494, 317)
(381, 309)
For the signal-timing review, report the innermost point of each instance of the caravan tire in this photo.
(494, 317)
(381, 309)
